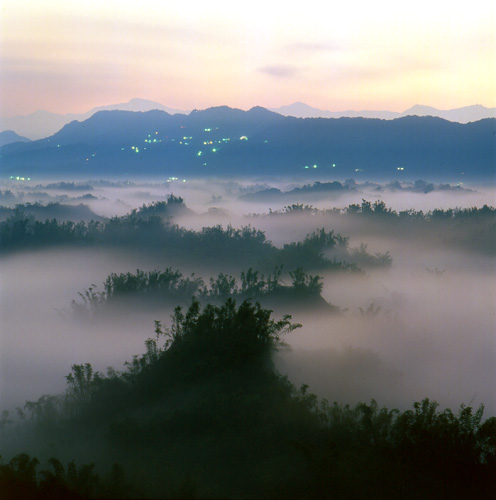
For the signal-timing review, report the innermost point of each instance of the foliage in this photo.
(310, 253)
(231, 335)
(20, 479)
(303, 282)
(163, 287)
(81, 382)
(470, 228)
(362, 258)
(206, 388)
(150, 228)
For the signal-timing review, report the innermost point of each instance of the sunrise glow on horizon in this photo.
(68, 57)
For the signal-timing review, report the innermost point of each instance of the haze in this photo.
(429, 331)
(71, 57)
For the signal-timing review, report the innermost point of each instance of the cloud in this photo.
(279, 70)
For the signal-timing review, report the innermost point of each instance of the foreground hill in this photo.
(204, 414)
(231, 142)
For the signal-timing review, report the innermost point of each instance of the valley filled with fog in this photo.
(247, 251)
(420, 327)
(390, 288)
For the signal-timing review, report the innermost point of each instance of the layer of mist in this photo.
(425, 327)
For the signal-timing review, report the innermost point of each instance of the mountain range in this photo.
(41, 124)
(223, 141)
(462, 115)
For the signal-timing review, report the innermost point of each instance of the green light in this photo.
(199, 153)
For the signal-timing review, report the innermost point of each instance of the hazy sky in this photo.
(69, 55)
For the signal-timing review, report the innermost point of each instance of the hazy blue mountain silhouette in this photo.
(9, 136)
(462, 115)
(226, 141)
(41, 124)
(302, 110)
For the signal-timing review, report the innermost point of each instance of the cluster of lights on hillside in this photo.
(212, 145)
(18, 178)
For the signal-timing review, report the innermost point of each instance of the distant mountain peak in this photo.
(259, 110)
(419, 108)
(9, 137)
(462, 115)
(136, 104)
(42, 124)
(141, 101)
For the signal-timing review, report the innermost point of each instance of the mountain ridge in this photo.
(229, 142)
(464, 114)
(41, 124)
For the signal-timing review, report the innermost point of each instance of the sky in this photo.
(70, 56)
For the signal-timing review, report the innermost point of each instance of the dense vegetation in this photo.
(161, 288)
(204, 413)
(150, 229)
(472, 229)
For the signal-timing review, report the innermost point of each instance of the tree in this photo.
(82, 381)
(220, 337)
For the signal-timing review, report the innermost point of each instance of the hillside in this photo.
(230, 142)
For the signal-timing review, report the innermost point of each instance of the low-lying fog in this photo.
(426, 327)
(117, 197)
(417, 335)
